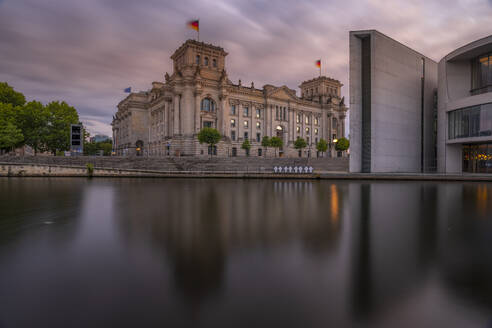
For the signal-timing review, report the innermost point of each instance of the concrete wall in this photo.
(396, 72)
(454, 75)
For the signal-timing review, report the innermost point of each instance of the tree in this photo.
(209, 136)
(33, 121)
(322, 145)
(342, 144)
(10, 135)
(265, 142)
(300, 143)
(9, 96)
(276, 142)
(246, 146)
(60, 116)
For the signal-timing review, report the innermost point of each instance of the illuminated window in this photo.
(307, 119)
(233, 123)
(298, 118)
(246, 124)
(307, 130)
(258, 125)
(315, 131)
(316, 121)
(258, 112)
(298, 129)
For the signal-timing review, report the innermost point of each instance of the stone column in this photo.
(187, 112)
(197, 110)
(176, 114)
(223, 117)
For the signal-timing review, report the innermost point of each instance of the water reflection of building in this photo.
(199, 224)
(406, 235)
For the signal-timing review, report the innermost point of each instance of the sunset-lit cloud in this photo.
(87, 52)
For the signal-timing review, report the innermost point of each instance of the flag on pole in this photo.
(128, 90)
(318, 63)
(194, 24)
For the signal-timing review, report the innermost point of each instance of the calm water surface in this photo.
(244, 253)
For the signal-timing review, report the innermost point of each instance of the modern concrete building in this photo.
(165, 120)
(465, 109)
(392, 106)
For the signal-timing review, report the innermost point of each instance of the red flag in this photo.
(193, 24)
(318, 63)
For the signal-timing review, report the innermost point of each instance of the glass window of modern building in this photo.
(477, 158)
(482, 74)
(470, 122)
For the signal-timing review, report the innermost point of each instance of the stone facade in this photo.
(165, 120)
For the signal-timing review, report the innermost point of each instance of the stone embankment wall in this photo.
(188, 164)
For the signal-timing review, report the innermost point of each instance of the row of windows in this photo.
(312, 92)
(245, 123)
(306, 119)
(246, 136)
(469, 122)
(298, 130)
(234, 112)
(198, 61)
(280, 113)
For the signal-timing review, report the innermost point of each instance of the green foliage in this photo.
(60, 116)
(90, 169)
(209, 136)
(9, 96)
(246, 146)
(265, 142)
(276, 142)
(93, 148)
(322, 145)
(300, 143)
(342, 144)
(10, 135)
(33, 121)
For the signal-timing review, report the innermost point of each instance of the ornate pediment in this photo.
(282, 93)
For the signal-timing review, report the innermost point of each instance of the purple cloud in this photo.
(87, 52)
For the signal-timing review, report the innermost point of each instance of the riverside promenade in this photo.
(171, 167)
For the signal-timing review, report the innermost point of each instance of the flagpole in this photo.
(198, 31)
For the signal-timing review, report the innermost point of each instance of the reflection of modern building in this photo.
(166, 119)
(396, 123)
(392, 91)
(465, 109)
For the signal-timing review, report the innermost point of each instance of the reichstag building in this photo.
(165, 120)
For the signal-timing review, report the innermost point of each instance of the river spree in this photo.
(244, 253)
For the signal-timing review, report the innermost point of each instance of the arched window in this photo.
(205, 61)
(214, 62)
(208, 105)
(198, 59)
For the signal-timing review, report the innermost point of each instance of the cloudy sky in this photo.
(87, 51)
